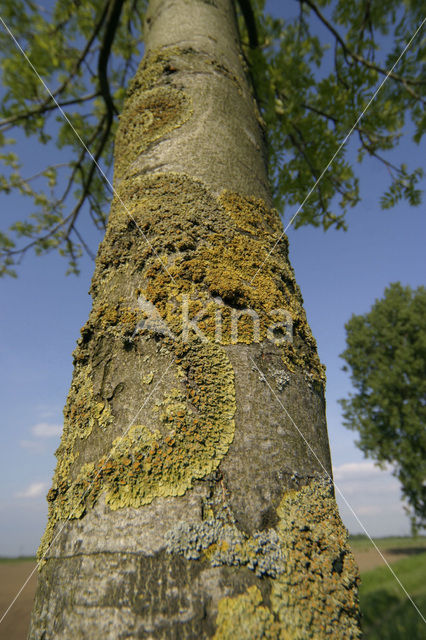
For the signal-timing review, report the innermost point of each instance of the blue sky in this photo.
(339, 274)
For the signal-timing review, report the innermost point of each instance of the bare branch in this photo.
(84, 244)
(7, 123)
(250, 21)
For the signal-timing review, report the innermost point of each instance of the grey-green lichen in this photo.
(315, 596)
(219, 540)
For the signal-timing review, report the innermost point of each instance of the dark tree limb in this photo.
(249, 19)
(113, 18)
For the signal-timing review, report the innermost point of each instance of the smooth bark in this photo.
(192, 493)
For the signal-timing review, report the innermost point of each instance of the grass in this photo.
(402, 544)
(8, 560)
(387, 613)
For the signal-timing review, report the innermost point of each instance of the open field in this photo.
(393, 549)
(13, 573)
(387, 612)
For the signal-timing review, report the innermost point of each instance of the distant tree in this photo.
(386, 353)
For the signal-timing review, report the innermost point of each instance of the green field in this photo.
(387, 613)
(14, 560)
(362, 543)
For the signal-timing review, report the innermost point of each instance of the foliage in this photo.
(387, 613)
(310, 95)
(386, 353)
(69, 46)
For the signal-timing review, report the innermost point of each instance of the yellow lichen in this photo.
(233, 268)
(142, 464)
(83, 412)
(244, 617)
(148, 378)
(200, 428)
(315, 595)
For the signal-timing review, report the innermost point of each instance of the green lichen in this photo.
(155, 105)
(83, 413)
(200, 428)
(204, 252)
(316, 595)
(159, 66)
(146, 118)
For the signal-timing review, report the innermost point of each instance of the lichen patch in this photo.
(197, 419)
(147, 118)
(315, 594)
(219, 540)
(244, 617)
(207, 251)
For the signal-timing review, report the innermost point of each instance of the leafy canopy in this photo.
(386, 354)
(313, 75)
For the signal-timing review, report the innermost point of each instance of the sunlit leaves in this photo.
(312, 93)
(404, 186)
(313, 76)
(63, 44)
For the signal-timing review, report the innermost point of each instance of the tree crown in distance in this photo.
(313, 75)
(386, 354)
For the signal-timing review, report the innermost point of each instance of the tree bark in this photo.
(192, 494)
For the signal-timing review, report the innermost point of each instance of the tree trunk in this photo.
(192, 494)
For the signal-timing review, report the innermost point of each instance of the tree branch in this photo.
(114, 11)
(249, 19)
(45, 105)
(7, 123)
(361, 59)
(93, 167)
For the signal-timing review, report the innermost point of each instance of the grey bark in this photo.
(113, 573)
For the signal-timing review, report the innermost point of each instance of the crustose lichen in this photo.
(222, 543)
